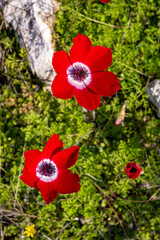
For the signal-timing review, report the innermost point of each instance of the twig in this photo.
(128, 25)
(135, 70)
(20, 171)
(97, 21)
(2, 234)
(17, 199)
(102, 235)
(93, 177)
(15, 213)
(111, 114)
(151, 197)
(47, 237)
(20, 78)
(72, 23)
(11, 220)
(147, 81)
(134, 201)
(67, 225)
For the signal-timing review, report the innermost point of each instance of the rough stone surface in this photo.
(33, 22)
(153, 90)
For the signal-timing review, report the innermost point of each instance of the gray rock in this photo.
(33, 22)
(153, 90)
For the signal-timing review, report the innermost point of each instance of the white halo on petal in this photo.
(71, 77)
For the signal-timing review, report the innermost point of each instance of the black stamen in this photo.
(133, 170)
(47, 169)
(78, 73)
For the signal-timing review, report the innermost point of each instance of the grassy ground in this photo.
(109, 205)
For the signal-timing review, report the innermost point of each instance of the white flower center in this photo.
(79, 75)
(46, 170)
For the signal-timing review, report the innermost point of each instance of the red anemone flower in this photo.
(82, 73)
(48, 170)
(104, 1)
(132, 170)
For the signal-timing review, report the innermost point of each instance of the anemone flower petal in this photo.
(66, 158)
(32, 158)
(60, 61)
(67, 182)
(80, 49)
(99, 59)
(29, 178)
(61, 88)
(48, 192)
(87, 98)
(53, 146)
(104, 83)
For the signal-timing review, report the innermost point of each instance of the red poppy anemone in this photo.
(48, 170)
(132, 170)
(104, 1)
(82, 73)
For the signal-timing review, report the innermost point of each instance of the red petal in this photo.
(105, 1)
(104, 83)
(80, 49)
(99, 59)
(32, 158)
(87, 99)
(136, 165)
(67, 182)
(60, 61)
(29, 178)
(53, 146)
(49, 193)
(135, 175)
(66, 158)
(61, 88)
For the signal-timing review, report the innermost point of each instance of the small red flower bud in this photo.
(104, 1)
(132, 170)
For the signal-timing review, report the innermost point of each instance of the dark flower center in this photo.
(133, 170)
(47, 169)
(79, 73)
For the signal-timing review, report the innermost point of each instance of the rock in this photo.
(153, 90)
(33, 21)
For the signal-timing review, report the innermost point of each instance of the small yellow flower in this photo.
(30, 231)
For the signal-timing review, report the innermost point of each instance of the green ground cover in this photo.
(109, 205)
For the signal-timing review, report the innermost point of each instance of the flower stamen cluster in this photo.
(46, 170)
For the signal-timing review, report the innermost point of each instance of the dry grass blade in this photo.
(20, 172)
(71, 23)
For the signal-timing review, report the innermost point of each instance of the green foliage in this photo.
(109, 205)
